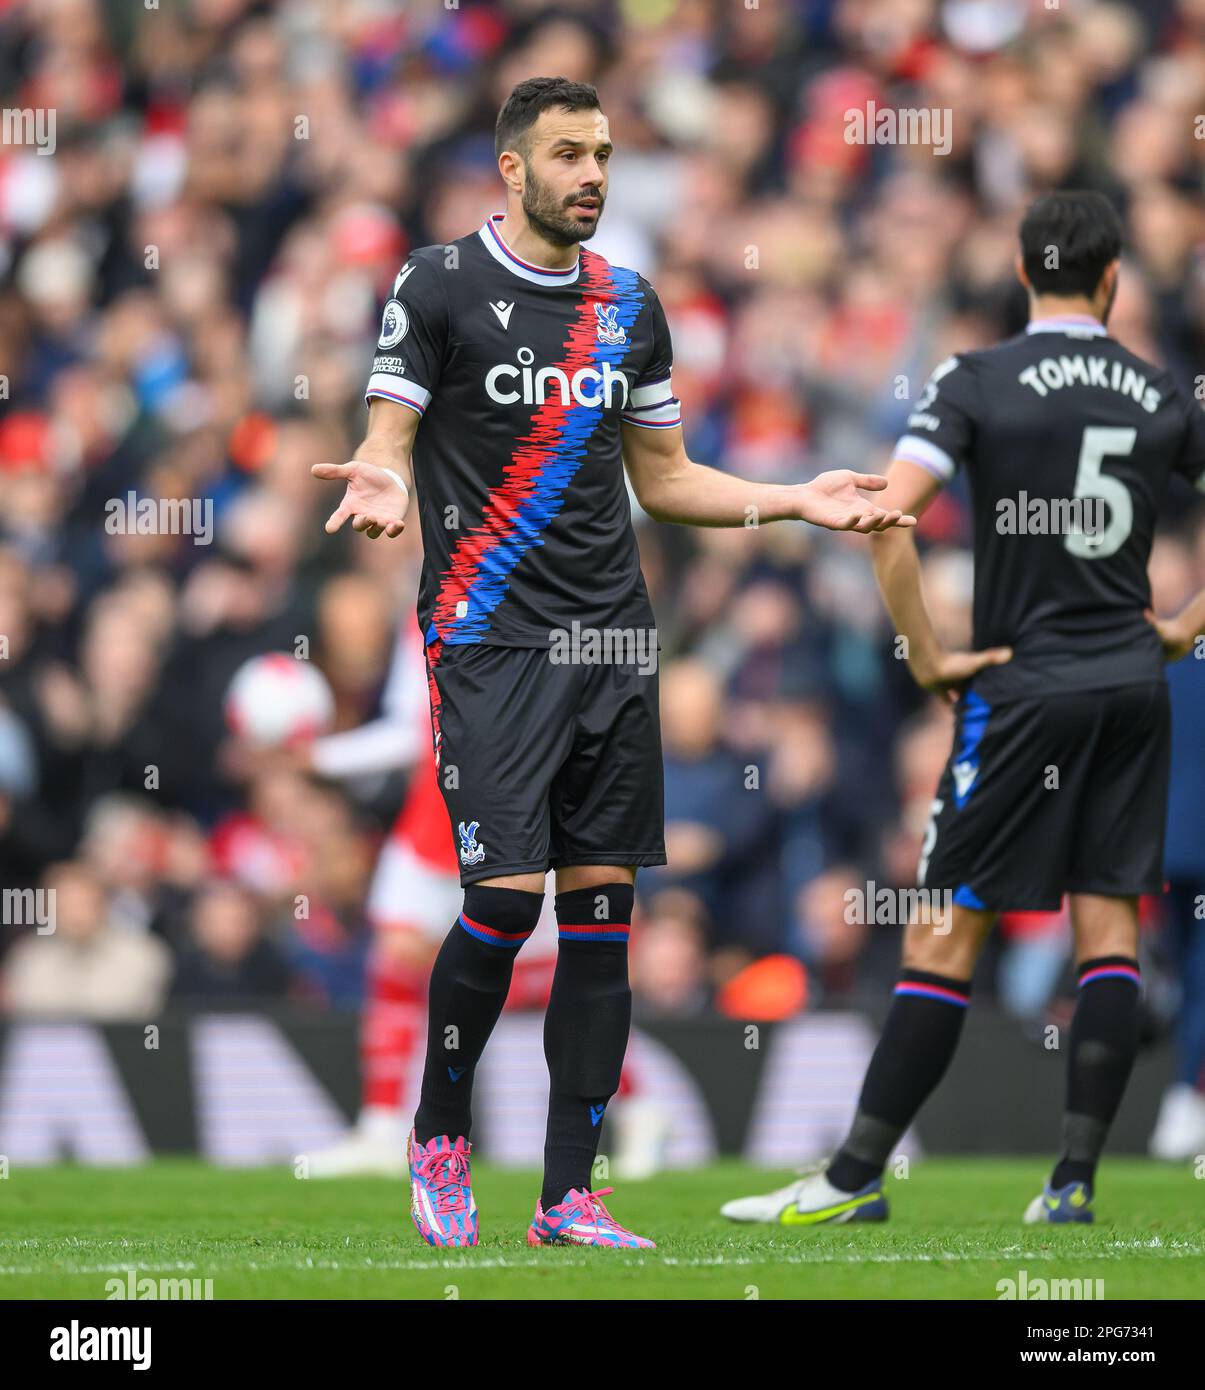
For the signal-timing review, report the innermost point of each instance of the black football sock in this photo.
(469, 983)
(1104, 1042)
(922, 1030)
(585, 1030)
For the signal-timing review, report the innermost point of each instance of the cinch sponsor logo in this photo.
(508, 384)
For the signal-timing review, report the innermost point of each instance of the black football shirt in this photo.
(522, 376)
(1068, 441)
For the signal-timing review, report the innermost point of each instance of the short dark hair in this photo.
(522, 108)
(1085, 231)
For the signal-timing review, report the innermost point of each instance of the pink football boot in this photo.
(441, 1191)
(582, 1219)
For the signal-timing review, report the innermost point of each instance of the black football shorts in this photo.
(1066, 794)
(544, 765)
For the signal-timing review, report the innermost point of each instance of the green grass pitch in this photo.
(955, 1230)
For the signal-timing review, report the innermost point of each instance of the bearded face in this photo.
(561, 220)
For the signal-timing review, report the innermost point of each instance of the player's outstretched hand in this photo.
(949, 673)
(1178, 640)
(835, 500)
(376, 499)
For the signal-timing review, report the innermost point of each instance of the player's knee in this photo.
(1105, 940)
(600, 914)
(1104, 926)
(526, 883)
(596, 876)
(947, 940)
(500, 918)
(935, 946)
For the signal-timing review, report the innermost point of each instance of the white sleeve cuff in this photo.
(927, 455)
(654, 406)
(660, 417)
(399, 389)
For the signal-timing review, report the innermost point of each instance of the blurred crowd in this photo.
(190, 292)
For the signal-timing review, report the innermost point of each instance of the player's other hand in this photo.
(949, 673)
(375, 500)
(835, 500)
(1178, 640)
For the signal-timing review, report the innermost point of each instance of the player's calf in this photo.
(469, 983)
(1103, 1045)
(585, 1038)
(918, 1040)
(586, 1031)
(917, 1043)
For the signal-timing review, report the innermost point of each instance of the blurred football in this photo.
(275, 699)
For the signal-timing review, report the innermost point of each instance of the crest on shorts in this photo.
(609, 330)
(470, 851)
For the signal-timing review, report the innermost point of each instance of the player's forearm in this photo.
(695, 495)
(897, 572)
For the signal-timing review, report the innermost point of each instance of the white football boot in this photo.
(811, 1200)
